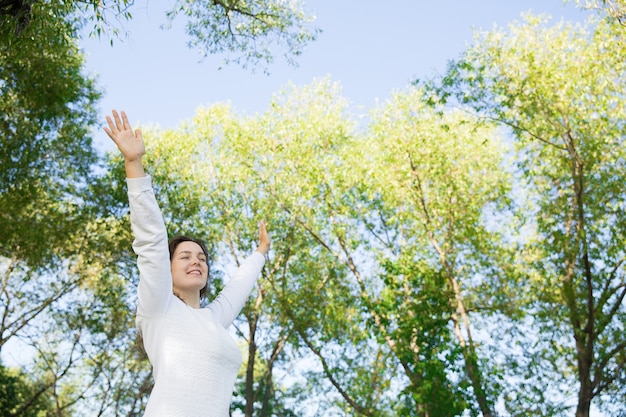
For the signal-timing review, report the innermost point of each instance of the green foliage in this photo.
(614, 9)
(248, 31)
(560, 89)
(61, 251)
(18, 15)
(416, 311)
(434, 176)
(420, 265)
(19, 395)
(46, 107)
(302, 166)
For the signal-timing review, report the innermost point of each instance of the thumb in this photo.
(138, 134)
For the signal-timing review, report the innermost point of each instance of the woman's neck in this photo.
(191, 299)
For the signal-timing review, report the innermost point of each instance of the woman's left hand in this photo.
(264, 239)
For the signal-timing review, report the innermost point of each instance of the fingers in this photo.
(125, 123)
(112, 129)
(118, 123)
(264, 239)
(262, 230)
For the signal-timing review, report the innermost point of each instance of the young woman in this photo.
(194, 359)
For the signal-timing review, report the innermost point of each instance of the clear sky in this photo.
(371, 47)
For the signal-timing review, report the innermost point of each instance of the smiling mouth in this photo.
(194, 273)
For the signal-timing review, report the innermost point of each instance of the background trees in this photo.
(246, 31)
(455, 252)
(47, 105)
(560, 92)
(65, 287)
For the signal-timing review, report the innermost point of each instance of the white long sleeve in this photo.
(155, 284)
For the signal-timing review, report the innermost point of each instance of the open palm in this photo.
(129, 143)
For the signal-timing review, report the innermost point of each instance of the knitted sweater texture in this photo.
(194, 359)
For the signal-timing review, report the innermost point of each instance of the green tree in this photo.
(306, 132)
(615, 9)
(46, 115)
(64, 239)
(560, 91)
(250, 33)
(20, 396)
(58, 249)
(337, 289)
(47, 158)
(329, 180)
(437, 174)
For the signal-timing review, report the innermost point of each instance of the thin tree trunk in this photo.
(252, 348)
(584, 335)
(469, 350)
(585, 392)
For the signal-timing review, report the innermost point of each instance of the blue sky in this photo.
(371, 47)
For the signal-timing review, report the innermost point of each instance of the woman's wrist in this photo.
(134, 168)
(263, 250)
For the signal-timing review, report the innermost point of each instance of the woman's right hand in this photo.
(128, 142)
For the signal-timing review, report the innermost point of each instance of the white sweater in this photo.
(194, 359)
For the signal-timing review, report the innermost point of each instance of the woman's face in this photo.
(189, 268)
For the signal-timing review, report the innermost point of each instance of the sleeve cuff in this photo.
(258, 257)
(138, 185)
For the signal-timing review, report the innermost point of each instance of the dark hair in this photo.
(177, 240)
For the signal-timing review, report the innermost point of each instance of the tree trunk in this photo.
(585, 390)
(584, 322)
(469, 351)
(252, 324)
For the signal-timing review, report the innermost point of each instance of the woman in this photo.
(194, 359)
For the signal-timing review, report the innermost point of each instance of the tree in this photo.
(356, 281)
(249, 32)
(615, 9)
(64, 239)
(18, 395)
(46, 154)
(60, 250)
(46, 158)
(559, 89)
(437, 174)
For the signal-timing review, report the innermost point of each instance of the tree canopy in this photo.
(456, 251)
